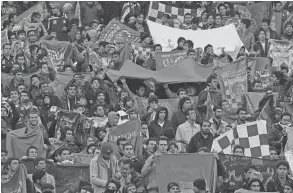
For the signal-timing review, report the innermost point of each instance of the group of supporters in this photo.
(26, 106)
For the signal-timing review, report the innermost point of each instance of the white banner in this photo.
(226, 37)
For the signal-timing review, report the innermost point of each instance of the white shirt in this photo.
(186, 131)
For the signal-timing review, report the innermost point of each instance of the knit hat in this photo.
(153, 98)
(144, 35)
(172, 184)
(182, 101)
(180, 39)
(16, 71)
(200, 184)
(107, 148)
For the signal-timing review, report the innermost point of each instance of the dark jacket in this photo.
(277, 138)
(198, 141)
(54, 100)
(216, 99)
(274, 185)
(155, 130)
(263, 52)
(179, 117)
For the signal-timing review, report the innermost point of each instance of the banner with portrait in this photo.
(233, 82)
(281, 51)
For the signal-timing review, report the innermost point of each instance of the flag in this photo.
(281, 52)
(17, 182)
(126, 52)
(276, 22)
(165, 59)
(253, 136)
(266, 112)
(66, 177)
(18, 141)
(58, 53)
(130, 130)
(256, 12)
(140, 50)
(233, 82)
(178, 168)
(157, 10)
(260, 70)
(77, 13)
(130, 7)
(235, 174)
(67, 119)
(226, 37)
(289, 149)
(118, 34)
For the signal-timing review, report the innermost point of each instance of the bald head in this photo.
(67, 7)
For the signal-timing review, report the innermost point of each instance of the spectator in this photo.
(103, 167)
(210, 22)
(199, 186)
(255, 185)
(112, 186)
(91, 11)
(180, 43)
(270, 34)
(238, 150)
(246, 37)
(261, 47)
(150, 149)
(203, 138)
(187, 22)
(7, 58)
(218, 126)
(39, 179)
(288, 33)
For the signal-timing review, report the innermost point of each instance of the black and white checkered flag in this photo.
(252, 136)
(157, 10)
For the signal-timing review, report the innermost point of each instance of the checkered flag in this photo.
(252, 136)
(138, 49)
(157, 10)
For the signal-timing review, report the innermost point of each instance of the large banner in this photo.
(119, 34)
(67, 119)
(289, 149)
(226, 37)
(130, 130)
(66, 177)
(276, 22)
(233, 82)
(180, 169)
(58, 52)
(157, 10)
(235, 174)
(165, 59)
(281, 52)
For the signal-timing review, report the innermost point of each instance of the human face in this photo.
(162, 115)
(100, 111)
(96, 152)
(33, 119)
(147, 40)
(173, 149)
(89, 141)
(239, 152)
(69, 135)
(218, 113)
(41, 165)
(255, 187)
(78, 35)
(192, 115)
(65, 155)
(131, 20)
(210, 20)
(47, 100)
(223, 10)
(158, 49)
(218, 20)
(14, 95)
(273, 155)
(101, 97)
(107, 156)
(116, 58)
(206, 127)
(174, 189)
(96, 84)
(262, 35)
(3, 157)
(102, 134)
(54, 10)
(131, 189)
(133, 115)
(287, 189)
(35, 81)
(139, 19)
(242, 115)
(45, 69)
(121, 144)
(250, 172)
(187, 19)
(182, 94)
(18, 76)
(286, 120)
(278, 7)
(5, 178)
(20, 60)
(204, 16)
(185, 46)
(128, 151)
(72, 91)
(32, 153)
(163, 145)
(151, 146)
(265, 26)
(186, 105)
(7, 50)
(45, 88)
(282, 171)
(20, 88)
(90, 150)
(141, 91)
(14, 165)
(181, 44)
(129, 103)
(112, 186)
(14, 67)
